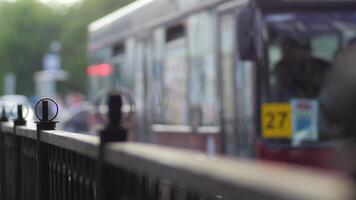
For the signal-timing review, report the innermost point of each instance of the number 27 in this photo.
(272, 118)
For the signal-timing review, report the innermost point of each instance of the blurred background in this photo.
(250, 78)
(43, 52)
(32, 29)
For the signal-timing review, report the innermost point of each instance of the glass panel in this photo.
(245, 78)
(128, 71)
(119, 69)
(324, 47)
(203, 95)
(97, 83)
(175, 82)
(157, 76)
(228, 65)
(227, 68)
(311, 68)
(100, 55)
(139, 77)
(141, 64)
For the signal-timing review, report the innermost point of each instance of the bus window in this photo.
(129, 69)
(175, 76)
(304, 71)
(227, 81)
(325, 47)
(298, 67)
(175, 32)
(97, 83)
(202, 72)
(156, 92)
(118, 49)
(298, 64)
(118, 61)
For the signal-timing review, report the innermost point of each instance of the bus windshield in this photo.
(312, 66)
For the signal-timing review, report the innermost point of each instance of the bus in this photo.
(268, 79)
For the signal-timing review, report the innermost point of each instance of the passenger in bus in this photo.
(338, 105)
(338, 96)
(298, 73)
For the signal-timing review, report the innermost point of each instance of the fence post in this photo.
(3, 119)
(113, 132)
(19, 121)
(44, 123)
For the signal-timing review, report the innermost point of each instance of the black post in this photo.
(44, 123)
(113, 132)
(3, 119)
(20, 121)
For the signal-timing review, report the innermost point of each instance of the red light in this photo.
(100, 70)
(91, 70)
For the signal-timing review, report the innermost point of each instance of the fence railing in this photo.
(56, 165)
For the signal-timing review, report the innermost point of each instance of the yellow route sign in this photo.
(276, 121)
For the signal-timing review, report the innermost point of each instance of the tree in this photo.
(74, 38)
(27, 27)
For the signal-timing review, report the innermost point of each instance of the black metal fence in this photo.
(55, 165)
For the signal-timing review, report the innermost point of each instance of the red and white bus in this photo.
(249, 78)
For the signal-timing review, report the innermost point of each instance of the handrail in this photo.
(211, 175)
(231, 177)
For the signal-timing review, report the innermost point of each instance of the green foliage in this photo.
(28, 27)
(74, 38)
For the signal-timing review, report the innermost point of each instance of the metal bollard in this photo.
(108, 186)
(45, 123)
(3, 117)
(20, 121)
(113, 131)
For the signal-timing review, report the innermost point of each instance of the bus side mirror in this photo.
(245, 35)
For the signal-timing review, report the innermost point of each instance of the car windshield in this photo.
(312, 66)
